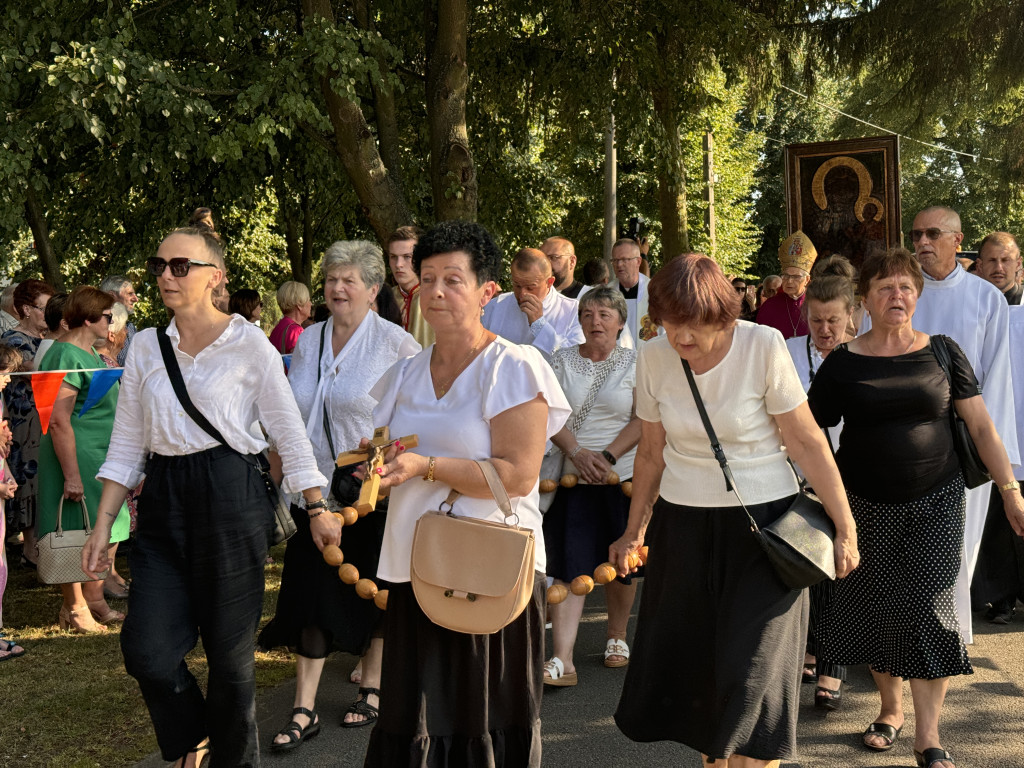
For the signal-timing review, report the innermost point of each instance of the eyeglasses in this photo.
(625, 260)
(179, 267)
(41, 309)
(934, 233)
(794, 278)
(109, 316)
(740, 288)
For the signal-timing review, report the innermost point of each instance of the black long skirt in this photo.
(720, 639)
(452, 699)
(317, 612)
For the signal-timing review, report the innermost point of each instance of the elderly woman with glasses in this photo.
(73, 449)
(204, 512)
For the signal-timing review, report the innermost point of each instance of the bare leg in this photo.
(565, 623)
(29, 547)
(371, 676)
(891, 691)
(113, 582)
(831, 683)
(620, 602)
(928, 697)
(76, 611)
(307, 680)
(739, 761)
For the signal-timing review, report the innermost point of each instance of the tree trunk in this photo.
(611, 204)
(383, 104)
(671, 179)
(452, 174)
(379, 194)
(37, 222)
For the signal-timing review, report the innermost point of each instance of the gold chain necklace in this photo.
(472, 351)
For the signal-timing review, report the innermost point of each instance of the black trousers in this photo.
(197, 571)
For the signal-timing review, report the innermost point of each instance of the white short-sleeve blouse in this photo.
(753, 382)
(458, 425)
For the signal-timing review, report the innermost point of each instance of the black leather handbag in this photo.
(284, 525)
(973, 468)
(799, 544)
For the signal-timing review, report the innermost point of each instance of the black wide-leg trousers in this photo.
(197, 571)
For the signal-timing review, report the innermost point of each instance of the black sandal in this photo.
(826, 698)
(809, 676)
(888, 732)
(364, 708)
(296, 733)
(931, 756)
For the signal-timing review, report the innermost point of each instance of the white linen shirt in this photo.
(557, 327)
(235, 381)
(345, 382)
(458, 425)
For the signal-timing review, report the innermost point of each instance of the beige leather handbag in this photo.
(469, 575)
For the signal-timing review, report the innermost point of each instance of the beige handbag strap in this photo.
(497, 490)
(60, 516)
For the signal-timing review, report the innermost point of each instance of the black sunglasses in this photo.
(934, 233)
(109, 316)
(179, 266)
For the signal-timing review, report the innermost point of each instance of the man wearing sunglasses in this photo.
(973, 313)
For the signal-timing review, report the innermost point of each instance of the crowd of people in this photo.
(845, 380)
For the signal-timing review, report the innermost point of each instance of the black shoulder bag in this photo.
(284, 525)
(798, 544)
(971, 466)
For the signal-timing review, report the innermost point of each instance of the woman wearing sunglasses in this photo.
(72, 450)
(204, 513)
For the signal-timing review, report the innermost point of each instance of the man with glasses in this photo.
(784, 310)
(562, 255)
(626, 257)
(121, 288)
(974, 314)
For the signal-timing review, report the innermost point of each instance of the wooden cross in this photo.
(373, 455)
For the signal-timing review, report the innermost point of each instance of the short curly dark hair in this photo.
(466, 236)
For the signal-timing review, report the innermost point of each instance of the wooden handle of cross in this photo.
(373, 454)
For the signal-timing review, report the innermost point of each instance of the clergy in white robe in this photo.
(972, 312)
(534, 312)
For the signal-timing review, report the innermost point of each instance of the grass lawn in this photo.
(68, 701)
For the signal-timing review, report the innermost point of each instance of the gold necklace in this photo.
(472, 351)
(912, 340)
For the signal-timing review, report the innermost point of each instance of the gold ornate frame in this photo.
(845, 195)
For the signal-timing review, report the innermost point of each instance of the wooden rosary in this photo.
(373, 455)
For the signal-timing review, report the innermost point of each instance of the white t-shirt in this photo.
(613, 407)
(755, 380)
(502, 376)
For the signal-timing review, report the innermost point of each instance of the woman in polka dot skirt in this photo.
(903, 479)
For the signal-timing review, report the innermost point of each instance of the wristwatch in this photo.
(608, 456)
(1013, 485)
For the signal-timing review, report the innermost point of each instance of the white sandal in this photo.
(616, 648)
(556, 674)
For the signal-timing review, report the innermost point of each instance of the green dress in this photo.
(92, 438)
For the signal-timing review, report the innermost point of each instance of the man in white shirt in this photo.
(626, 265)
(534, 313)
(973, 313)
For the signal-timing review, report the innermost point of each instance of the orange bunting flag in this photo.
(45, 387)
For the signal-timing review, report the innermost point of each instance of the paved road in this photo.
(983, 718)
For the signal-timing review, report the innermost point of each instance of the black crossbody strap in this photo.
(327, 419)
(716, 446)
(174, 373)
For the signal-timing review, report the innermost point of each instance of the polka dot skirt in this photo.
(896, 611)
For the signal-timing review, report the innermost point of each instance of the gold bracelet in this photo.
(429, 477)
(1013, 485)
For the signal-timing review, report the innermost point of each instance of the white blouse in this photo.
(234, 382)
(613, 408)
(798, 346)
(754, 381)
(345, 382)
(458, 425)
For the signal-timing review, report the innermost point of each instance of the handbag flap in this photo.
(489, 556)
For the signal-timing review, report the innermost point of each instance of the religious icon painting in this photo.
(845, 195)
